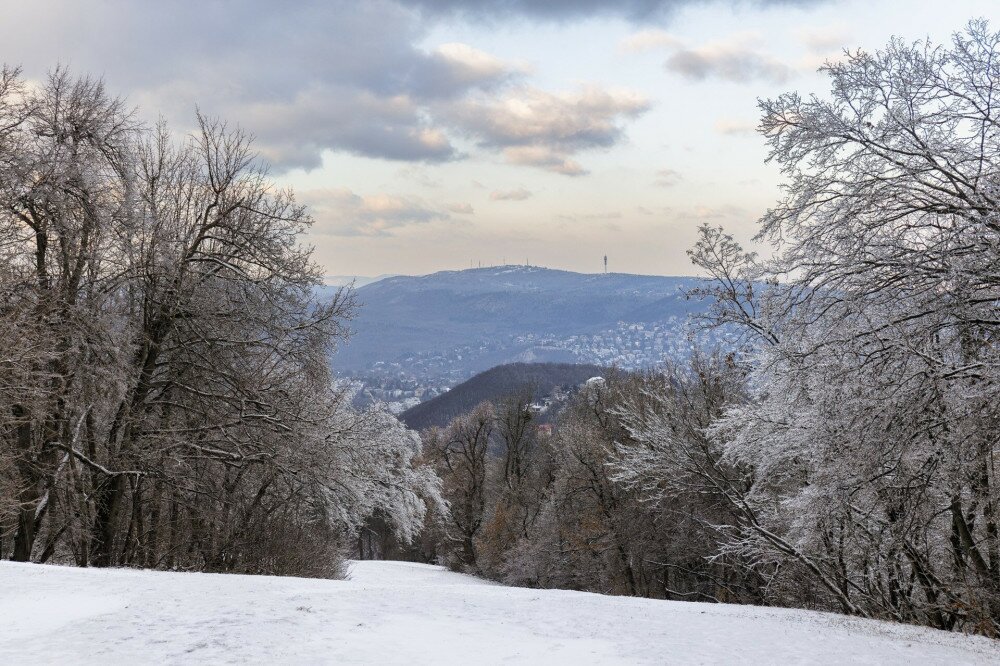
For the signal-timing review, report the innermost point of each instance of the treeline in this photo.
(544, 507)
(547, 508)
(845, 457)
(165, 396)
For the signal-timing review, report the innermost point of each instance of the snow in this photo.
(402, 613)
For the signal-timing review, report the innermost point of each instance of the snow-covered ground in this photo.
(399, 613)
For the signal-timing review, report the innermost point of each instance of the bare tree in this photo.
(460, 451)
(872, 436)
(166, 397)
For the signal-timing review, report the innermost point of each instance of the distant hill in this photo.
(495, 383)
(456, 323)
(356, 280)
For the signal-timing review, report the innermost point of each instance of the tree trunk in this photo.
(24, 540)
(109, 501)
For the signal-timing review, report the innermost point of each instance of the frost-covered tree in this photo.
(165, 392)
(374, 466)
(844, 455)
(872, 433)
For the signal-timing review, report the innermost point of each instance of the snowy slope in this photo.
(399, 613)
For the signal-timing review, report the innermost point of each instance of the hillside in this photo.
(401, 613)
(414, 337)
(540, 378)
(405, 316)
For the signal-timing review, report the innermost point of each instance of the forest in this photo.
(844, 456)
(166, 397)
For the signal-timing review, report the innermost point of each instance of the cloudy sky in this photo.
(434, 134)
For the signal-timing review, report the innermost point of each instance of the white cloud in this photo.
(472, 67)
(737, 60)
(825, 40)
(544, 157)
(557, 10)
(543, 129)
(341, 212)
(648, 40)
(510, 195)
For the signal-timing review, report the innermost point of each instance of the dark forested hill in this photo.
(540, 378)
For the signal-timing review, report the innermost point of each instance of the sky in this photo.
(430, 135)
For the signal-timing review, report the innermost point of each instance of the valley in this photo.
(416, 337)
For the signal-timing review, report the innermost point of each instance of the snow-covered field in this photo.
(399, 613)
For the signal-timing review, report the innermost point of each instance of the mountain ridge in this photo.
(483, 317)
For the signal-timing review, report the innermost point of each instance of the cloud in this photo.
(610, 215)
(648, 40)
(305, 78)
(460, 208)
(527, 116)
(510, 195)
(294, 133)
(735, 127)
(341, 212)
(418, 174)
(824, 40)
(543, 129)
(460, 67)
(341, 76)
(823, 45)
(734, 61)
(562, 10)
(544, 157)
(667, 177)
